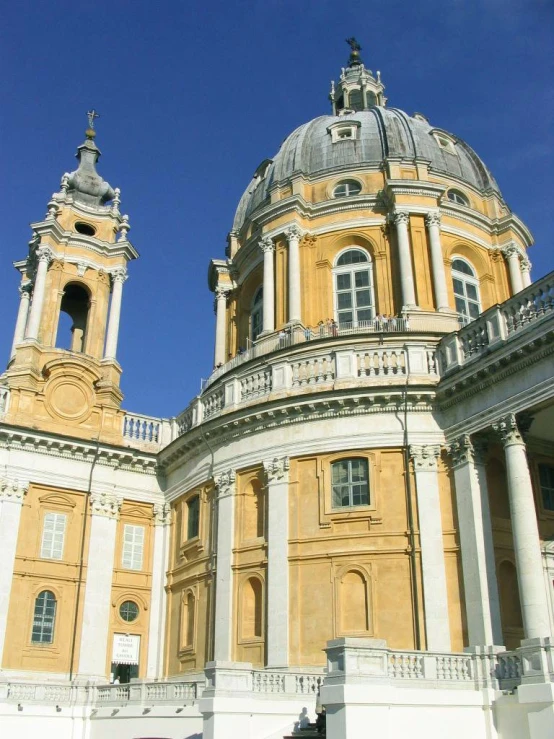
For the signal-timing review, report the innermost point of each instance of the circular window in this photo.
(347, 188)
(85, 228)
(129, 611)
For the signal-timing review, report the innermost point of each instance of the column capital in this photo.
(512, 430)
(400, 216)
(425, 456)
(105, 504)
(225, 483)
(433, 218)
(293, 232)
(510, 250)
(161, 513)
(119, 274)
(276, 469)
(525, 264)
(44, 254)
(12, 490)
(25, 289)
(266, 244)
(222, 291)
(465, 450)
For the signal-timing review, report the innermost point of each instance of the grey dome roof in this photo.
(383, 132)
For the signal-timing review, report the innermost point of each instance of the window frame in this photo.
(546, 464)
(352, 269)
(133, 544)
(257, 313)
(370, 513)
(465, 279)
(120, 607)
(349, 484)
(43, 618)
(193, 499)
(58, 536)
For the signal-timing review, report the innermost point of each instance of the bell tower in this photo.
(63, 375)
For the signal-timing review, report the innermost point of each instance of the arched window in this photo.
(353, 282)
(350, 483)
(257, 314)
(72, 327)
(347, 188)
(44, 618)
(466, 290)
(457, 197)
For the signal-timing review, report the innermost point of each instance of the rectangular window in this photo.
(350, 482)
(133, 547)
(53, 534)
(193, 517)
(546, 477)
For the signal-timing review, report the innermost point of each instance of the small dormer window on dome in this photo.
(345, 130)
(445, 142)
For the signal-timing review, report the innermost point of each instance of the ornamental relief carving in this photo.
(425, 456)
(161, 514)
(276, 469)
(105, 504)
(225, 483)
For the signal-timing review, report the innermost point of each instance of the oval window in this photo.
(85, 228)
(457, 197)
(347, 188)
(129, 611)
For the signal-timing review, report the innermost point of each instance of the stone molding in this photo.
(276, 469)
(161, 514)
(225, 483)
(105, 504)
(433, 219)
(425, 456)
(267, 244)
(12, 491)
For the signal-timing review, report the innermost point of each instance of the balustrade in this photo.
(312, 371)
(376, 362)
(142, 428)
(255, 385)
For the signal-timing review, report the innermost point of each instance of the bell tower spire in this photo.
(357, 89)
(63, 373)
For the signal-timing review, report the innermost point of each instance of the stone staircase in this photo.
(310, 731)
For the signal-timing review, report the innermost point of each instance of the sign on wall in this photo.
(126, 649)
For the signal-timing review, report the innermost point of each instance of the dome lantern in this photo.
(357, 88)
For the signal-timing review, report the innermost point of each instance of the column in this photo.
(525, 272)
(437, 626)
(118, 278)
(433, 222)
(525, 531)
(94, 646)
(474, 523)
(223, 626)
(511, 252)
(44, 257)
(156, 628)
(277, 474)
(401, 220)
(293, 235)
(22, 315)
(11, 500)
(268, 248)
(220, 324)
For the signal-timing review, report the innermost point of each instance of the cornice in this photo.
(89, 243)
(303, 409)
(63, 447)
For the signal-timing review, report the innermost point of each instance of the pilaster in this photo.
(156, 629)
(225, 484)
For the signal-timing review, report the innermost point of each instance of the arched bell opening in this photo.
(74, 312)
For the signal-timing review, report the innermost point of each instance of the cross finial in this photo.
(92, 114)
(355, 49)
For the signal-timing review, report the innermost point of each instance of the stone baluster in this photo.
(12, 494)
(22, 315)
(475, 529)
(220, 323)
(527, 548)
(433, 222)
(268, 248)
(44, 257)
(293, 235)
(437, 627)
(277, 474)
(223, 626)
(104, 511)
(119, 276)
(511, 252)
(401, 220)
(156, 628)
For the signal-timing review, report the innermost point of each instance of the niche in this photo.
(253, 514)
(252, 603)
(353, 603)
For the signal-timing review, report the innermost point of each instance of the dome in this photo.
(381, 133)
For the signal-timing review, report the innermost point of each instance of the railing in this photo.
(497, 325)
(146, 432)
(286, 683)
(430, 666)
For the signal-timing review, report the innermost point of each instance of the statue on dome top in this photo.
(355, 49)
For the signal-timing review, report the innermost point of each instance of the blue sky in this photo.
(194, 95)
